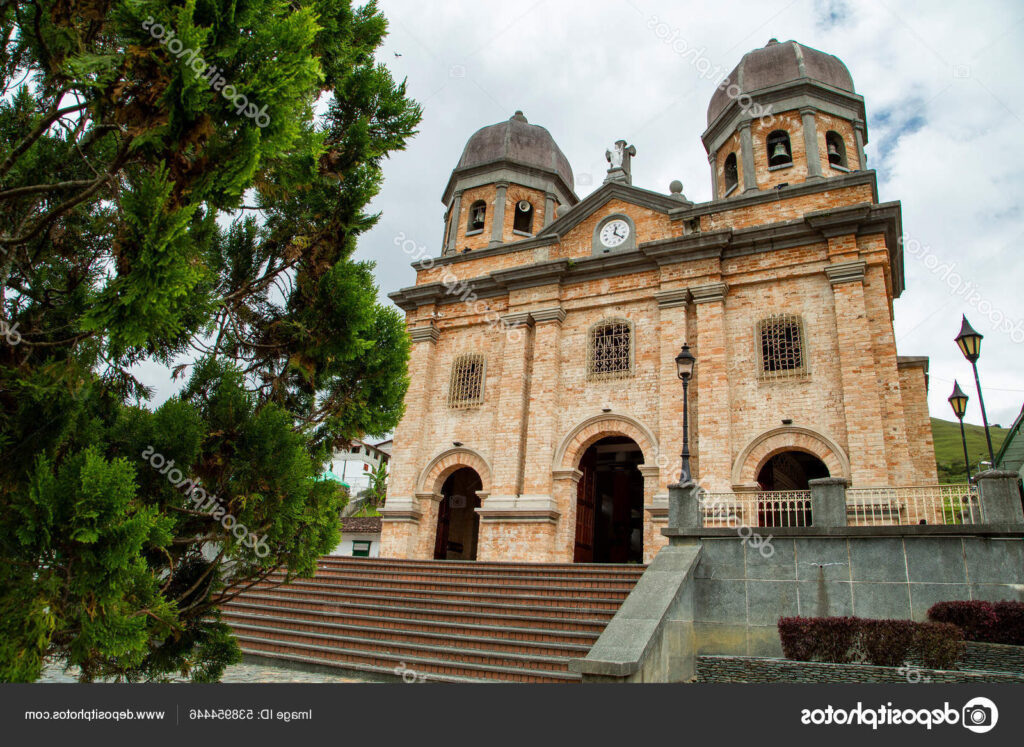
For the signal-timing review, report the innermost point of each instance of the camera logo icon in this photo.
(980, 715)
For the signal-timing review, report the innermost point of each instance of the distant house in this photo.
(355, 465)
(360, 537)
(1011, 454)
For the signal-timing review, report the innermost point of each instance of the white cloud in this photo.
(592, 72)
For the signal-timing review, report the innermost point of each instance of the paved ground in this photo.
(236, 673)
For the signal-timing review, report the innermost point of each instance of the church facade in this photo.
(544, 416)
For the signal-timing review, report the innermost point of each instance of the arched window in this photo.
(732, 178)
(780, 153)
(610, 354)
(477, 213)
(782, 346)
(523, 219)
(836, 149)
(466, 386)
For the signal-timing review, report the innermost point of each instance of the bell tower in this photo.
(786, 114)
(509, 182)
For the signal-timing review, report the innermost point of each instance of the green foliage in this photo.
(949, 449)
(378, 490)
(146, 215)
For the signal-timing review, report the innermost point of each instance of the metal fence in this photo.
(925, 504)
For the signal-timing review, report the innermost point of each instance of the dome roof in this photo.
(518, 141)
(777, 63)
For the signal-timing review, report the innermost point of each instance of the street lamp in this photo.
(970, 345)
(958, 401)
(685, 363)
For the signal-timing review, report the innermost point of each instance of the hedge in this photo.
(986, 622)
(886, 643)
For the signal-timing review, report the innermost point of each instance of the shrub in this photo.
(1009, 623)
(988, 622)
(976, 619)
(888, 643)
(939, 645)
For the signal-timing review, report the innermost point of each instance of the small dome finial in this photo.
(676, 187)
(518, 116)
(771, 41)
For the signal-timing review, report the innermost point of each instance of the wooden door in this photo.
(586, 495)
(443, 519)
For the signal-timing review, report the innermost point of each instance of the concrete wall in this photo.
(739, 594)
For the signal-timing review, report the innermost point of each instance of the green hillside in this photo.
(949, 452)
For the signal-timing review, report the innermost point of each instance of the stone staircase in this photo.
(437, 620)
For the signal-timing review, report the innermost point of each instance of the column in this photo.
(861, 404)
(713, 162)
(672, 333)
(401, 515)
(512, 399)
(713, 444)
(549, 208)
(498, 219)
(860, 134)
(453, 223)
(747, 154)
(811, 144)
(545, 387)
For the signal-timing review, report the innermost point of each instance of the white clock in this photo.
(614, 232)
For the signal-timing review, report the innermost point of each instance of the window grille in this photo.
(466, 388)
(781, 339)
(611, 355)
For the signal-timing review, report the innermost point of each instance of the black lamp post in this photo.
(958, 401)
(970, 345)
(685, 363)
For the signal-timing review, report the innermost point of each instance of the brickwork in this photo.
(854, 406)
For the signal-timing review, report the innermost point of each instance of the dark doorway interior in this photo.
(609, 503)
(458, 524)
(787, 471)
(790, 470)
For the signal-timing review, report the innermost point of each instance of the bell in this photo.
(780, 154)
(833, 154)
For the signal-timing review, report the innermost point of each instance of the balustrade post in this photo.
(828, 501)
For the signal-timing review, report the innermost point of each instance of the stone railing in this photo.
(925, 504)
(780, 508)
(830, 502)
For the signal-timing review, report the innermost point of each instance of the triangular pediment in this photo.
(607, 192)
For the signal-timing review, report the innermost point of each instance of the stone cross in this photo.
(620, 158)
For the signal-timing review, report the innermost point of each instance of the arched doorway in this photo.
(791, 470)
(610, 503)
(458, 524)
(788, 471)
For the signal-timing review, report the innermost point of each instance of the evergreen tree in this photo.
(181, 182)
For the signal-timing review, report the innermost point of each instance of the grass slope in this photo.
(949, 453)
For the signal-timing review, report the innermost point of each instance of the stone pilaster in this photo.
(498, 219)
(512, 400)
(713, 162)
(747, 155)
(454, 222)
(545, 387)
(811, 144)
(549, 208)
(714, 417)
(865, 432)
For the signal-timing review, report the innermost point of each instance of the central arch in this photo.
(591, 430)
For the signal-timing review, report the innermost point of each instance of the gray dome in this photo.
(777, 63)
(518, 141)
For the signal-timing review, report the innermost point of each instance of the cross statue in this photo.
(619, 158)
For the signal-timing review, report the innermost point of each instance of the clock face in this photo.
(614, 232)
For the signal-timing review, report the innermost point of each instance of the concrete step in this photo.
(401, 621)
(400, 635)
(427, 583)
(421, 663)
(565, 597)
(450, 621)
(587, 622)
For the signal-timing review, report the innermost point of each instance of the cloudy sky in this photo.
(944, 89)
